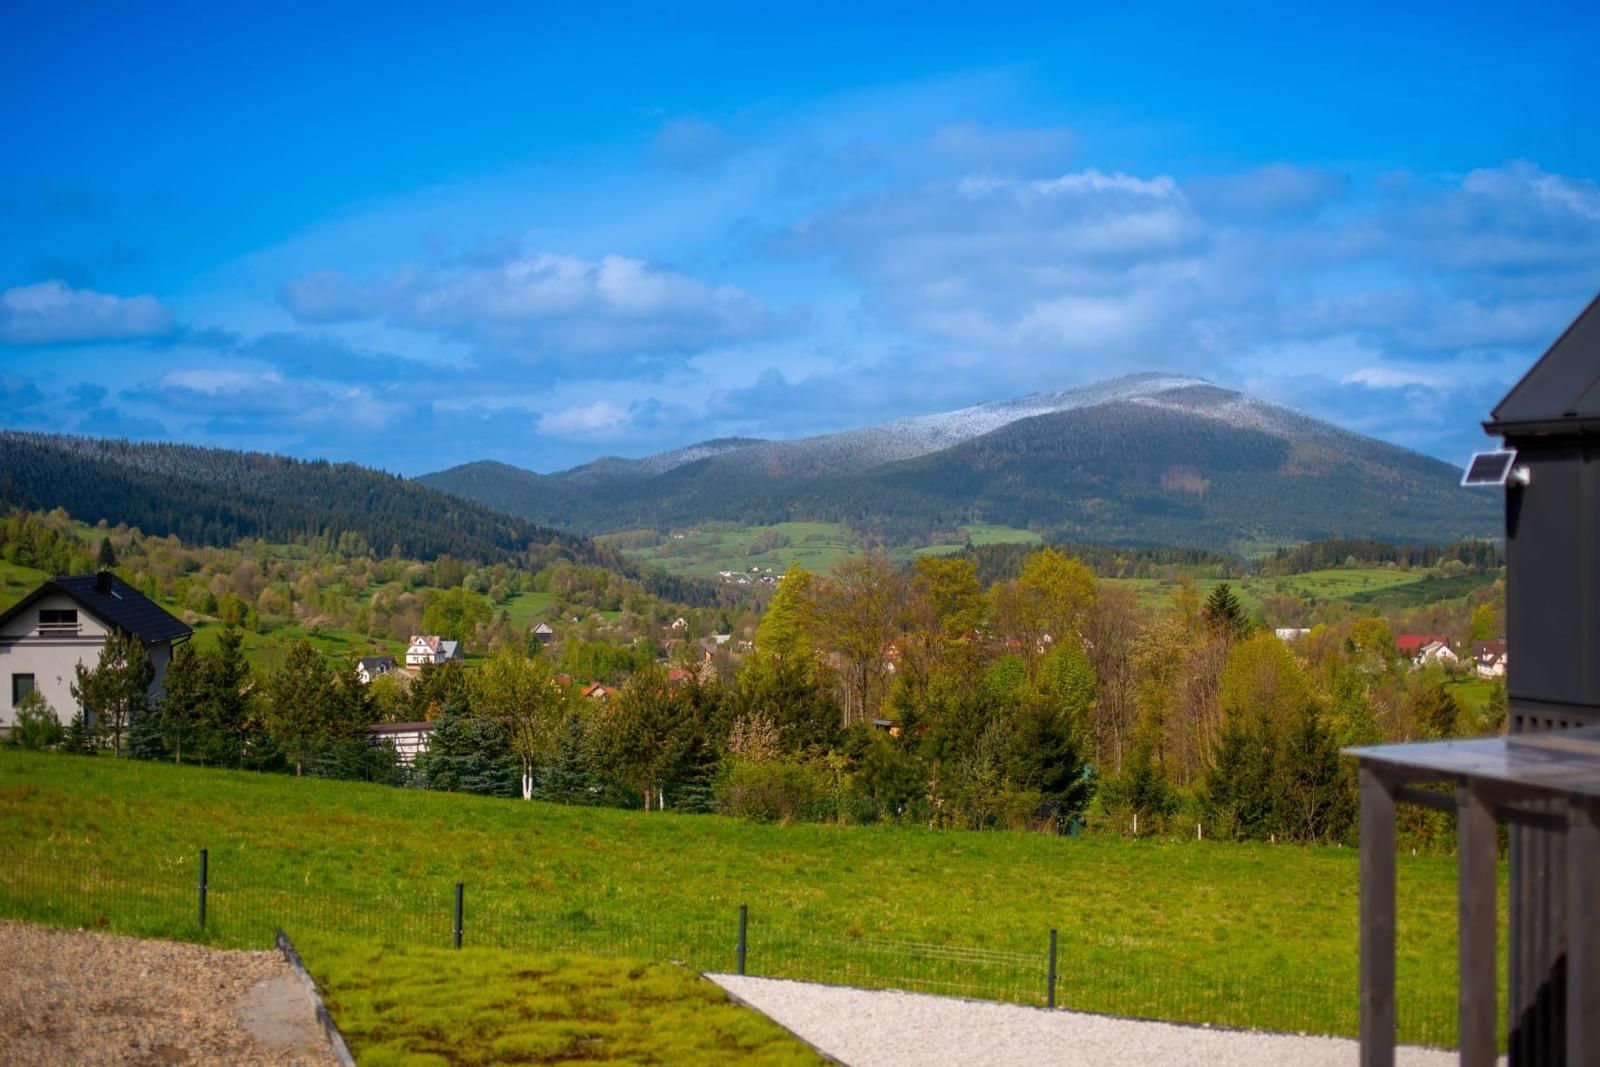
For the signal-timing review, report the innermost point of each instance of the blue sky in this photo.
(417, 239)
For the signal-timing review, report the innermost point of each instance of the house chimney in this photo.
(102, 582)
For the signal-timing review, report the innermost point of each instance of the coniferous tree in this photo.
(107, 556)
(1239, 799)
(182, 706)
(1142, 789)
(301, 705)
(117, 690)
(36, 726)
(566, 779)
(1224, 614)
(467, 753)
(82, 738)
(1315, 802)
(1433, 708)
(230, 732)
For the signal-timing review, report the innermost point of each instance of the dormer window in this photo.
(58, 620)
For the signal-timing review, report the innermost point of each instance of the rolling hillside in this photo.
(215, 497)
(1142, 460)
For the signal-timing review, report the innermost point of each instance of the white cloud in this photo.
(597, 419)
(544, 308)
(1395, 378)
(55, 313)
(222, 393)
(210, 381)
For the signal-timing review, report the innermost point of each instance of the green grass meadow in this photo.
(17, 582)
(1367, 589)
(1251, 935)
(816, 546)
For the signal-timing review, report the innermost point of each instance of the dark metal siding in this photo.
(1553, 683)
(1552, 595)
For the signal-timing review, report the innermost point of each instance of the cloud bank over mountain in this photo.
(780, 256)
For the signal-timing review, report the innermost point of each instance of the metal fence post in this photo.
(744, 918)
(1050, 982)
(203, 858)
(461, 889)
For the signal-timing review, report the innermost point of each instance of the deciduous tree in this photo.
(521, 695)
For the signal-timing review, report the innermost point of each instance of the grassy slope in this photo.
(1370, 589)
(17, 582)
(816, 546)
(421, 1006)
(1242, 934)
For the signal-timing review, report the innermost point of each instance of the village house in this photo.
(433, 649)
(408, 739)
(543, 633)
(1423, 649)
(374, 667)
(64, 623)
(1290, 633)
(598, 691)
(1489, 658)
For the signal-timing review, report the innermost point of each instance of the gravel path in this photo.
(876, 1028)
(87, 998)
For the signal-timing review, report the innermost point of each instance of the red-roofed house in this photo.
(1422, 649)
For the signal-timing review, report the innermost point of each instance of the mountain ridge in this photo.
(1150, 459)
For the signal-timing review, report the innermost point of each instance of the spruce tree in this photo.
(467, 753)
(301, 705)
(107, 557)
(117, 690)
(82, 738)
(1314, 797)
(566, 780)
(1240, 789)
(1223, 612)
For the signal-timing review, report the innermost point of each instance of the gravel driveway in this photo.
(877, 1028)
(87, 998)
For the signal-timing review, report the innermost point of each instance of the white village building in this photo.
(64, 623)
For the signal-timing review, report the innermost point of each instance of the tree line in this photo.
(873, 693)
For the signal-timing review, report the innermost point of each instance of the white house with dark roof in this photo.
(374, 667)
(1489, 658)
(64, 623)
(408, 739)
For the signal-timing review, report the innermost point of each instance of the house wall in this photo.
(53, 659)
(406, 744)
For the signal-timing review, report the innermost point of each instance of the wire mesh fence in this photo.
(164, 897)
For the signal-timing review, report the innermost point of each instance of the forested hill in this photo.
(215, 497)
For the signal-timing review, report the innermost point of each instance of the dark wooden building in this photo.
(1552, 419)
(1542, 779)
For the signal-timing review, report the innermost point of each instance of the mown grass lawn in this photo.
(419, 1006)
(1237, 934)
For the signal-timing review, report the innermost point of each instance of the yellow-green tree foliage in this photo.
(1062, 591)
(1485, 624)
(520, 694)
(1262, 681)
(788, 628)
